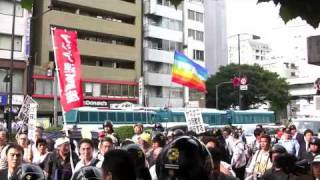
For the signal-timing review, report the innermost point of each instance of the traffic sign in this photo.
(243, 87)
(243, 81)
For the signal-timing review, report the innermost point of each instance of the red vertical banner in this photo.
(67, 59)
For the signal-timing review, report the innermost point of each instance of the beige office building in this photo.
(109, 40)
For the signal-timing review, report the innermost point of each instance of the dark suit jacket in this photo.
(4, 174)
(300, 138)
(302, 149)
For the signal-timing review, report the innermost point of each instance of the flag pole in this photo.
(58, 80)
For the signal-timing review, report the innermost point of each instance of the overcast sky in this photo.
(246, 16)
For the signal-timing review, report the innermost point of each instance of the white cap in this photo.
(61, 141)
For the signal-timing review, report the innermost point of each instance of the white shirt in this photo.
(38, 158)
(81, 164)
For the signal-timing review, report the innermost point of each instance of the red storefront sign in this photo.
(67, 59)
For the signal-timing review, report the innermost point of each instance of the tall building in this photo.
(163, 34)
(109, 41)
(20, 56)
(194, 39)
(252, 49)
(167, 29)
(215, 35)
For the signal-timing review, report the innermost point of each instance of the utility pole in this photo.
(10, 118)
(239, 63)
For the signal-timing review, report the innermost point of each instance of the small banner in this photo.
(194, 120)
(25, 109)
(33, 108)
(67, 58)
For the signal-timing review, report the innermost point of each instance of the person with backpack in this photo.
(238, 160)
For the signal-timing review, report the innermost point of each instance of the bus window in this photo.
(71, 116)
(94, 117)
(121, 117)
(111, 116)
(103, 116)
(83, 117)
(129, 117)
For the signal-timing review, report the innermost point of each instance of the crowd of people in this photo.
(222, 154)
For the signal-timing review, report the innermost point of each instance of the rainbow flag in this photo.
(188, 73)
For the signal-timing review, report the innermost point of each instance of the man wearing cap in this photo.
(145, 143)
(58, 164)
(109, 132)
(138, 129)
(291, 145)
(314, 150)
(158, 142)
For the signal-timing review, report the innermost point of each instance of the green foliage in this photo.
(53, 129)
(308, 10)
(264, 86)
(124, 132)
(27, 4)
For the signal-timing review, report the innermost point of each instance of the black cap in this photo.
(28, 172)
(315, 141)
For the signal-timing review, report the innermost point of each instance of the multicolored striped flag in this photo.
(188, 73)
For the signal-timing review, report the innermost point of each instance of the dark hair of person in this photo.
(308, 131)
(286, 162)
(107, 139)
(265, 136)
(119, 163)
(41, 141)
(126, 142)
(88, 141)
(206, 140)
(14, 146)
(228, 130)
(257, 132)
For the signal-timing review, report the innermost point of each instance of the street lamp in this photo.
(217, 92)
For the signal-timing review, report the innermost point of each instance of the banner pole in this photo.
(63, 112)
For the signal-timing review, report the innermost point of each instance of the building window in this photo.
(195, 16)
(5, 42)
(95, 13)
(43, 87)
(6, 7)
(198, 55)
(176, 92)
(165, 23)
(196, 35)
(165, 45)
(293, 74)
(114, 90)
(109, 63)
(168, 4)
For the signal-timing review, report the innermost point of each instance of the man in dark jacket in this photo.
(58, 164)
(304, 146)
(314, 149)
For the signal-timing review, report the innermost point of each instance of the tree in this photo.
(308, 10)
(264, 86)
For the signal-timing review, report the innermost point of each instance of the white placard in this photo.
(243, 87)
(141, 91)
(33, 108)
(194, 120)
